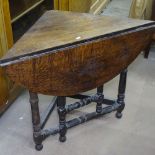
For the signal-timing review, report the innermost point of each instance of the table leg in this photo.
(61, 102)
(147, 50)
(99, 103)
(121, 93)
(36, 120)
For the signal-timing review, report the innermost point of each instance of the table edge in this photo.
(8, 61)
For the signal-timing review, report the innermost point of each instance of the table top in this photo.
(60, 29)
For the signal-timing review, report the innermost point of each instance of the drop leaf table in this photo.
(65, 54)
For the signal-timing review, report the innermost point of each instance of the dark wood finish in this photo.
(48, 59)
(81, 96)
(98, 98)
(121, 93)
(61, 102)
(81, 68)
(57, 29)
(153, 11)
(36, 120)
(147, 50)
(41, 134)
(66, 53)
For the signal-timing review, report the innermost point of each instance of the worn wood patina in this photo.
(66, 53)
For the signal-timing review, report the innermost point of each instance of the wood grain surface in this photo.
(75, 68)
(81, 68)
(57, 28)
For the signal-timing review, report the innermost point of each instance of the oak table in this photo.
(65, 54)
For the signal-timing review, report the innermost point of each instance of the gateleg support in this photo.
(36, 120)
(121, 93)
(61, 102)
(100, 100)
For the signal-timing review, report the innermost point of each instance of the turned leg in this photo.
(121, 93)
(36, 120)
(61, 102)
(99, 103)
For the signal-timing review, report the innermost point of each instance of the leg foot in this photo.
(119, 115)
(39, 147)
(62, 139)
(99, 103)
